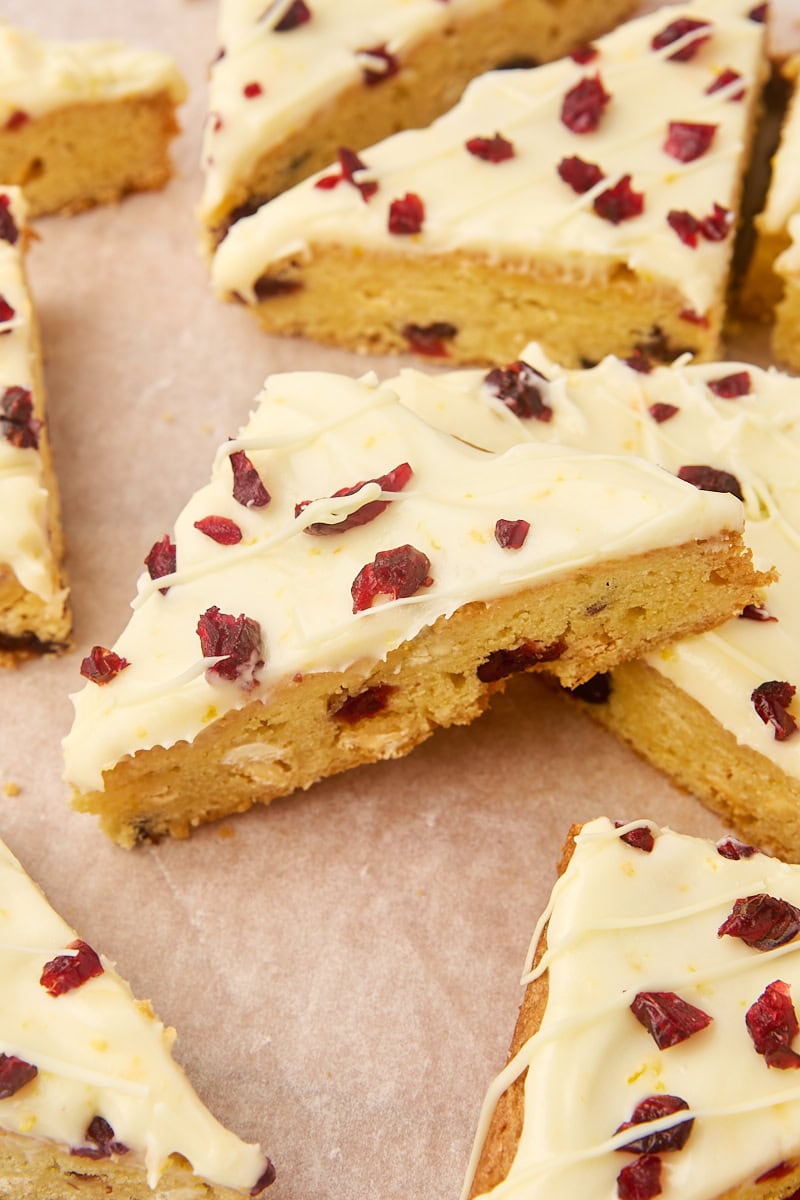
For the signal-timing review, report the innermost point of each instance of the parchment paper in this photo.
(342, 967)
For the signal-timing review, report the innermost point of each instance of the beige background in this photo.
(341, 967)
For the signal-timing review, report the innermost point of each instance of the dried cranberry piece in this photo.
(638, 361)
(298, 13)
(771, 701)
(519, 387)
(619, 203)
(723, 79)
(349, 162)
(677, 30)
(716, 226)
(252, 89)
(502, 663)
(493, 150)
(67, 972)
(220, 529)
(579, 174)
(8, 226)
(392, 481)
(14, 1074)
(663, 412)
(779, 1171)
(17, 422)
(596, 690)
(393, 574)
(694, 318)
(733, 849)
(730, 387)
(238, 640)
(583, 105)
(641, 1179)
(652, 1108)
(685, 225)
(267, 1176)
(668, 1018)
(162, 560)
(511, 535)
(101, 665)
(711, 479)
(406, 214)
(248, 487)
(584, 54)
(756, 612)
(429, 339)
(762, 922)
(759, 13)
(392, 65)
(688, 140)
(267, 286)
(17, 119)
(640, 838)
(772, 1024)
(103, 1142)
(365, 705)
(7, 313)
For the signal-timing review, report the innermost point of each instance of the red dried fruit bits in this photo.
(717, 225)
(297, 13)
(730, 387)
(493, 150)
(101, 665)
(652, 1108)
(694, 318)
(220, 529)
(756, 612)
(365, 705)
(8, 227)
(392, 481)
(688, 140)
(239, 643)
(7, 313)
(772, 1024)
(771, 701)
(640, 838)
(429, 340)
(663, 412)
(162, 560)
(349, 162)
(762, 922)
(711, 479)
(501, 663)
(640, 1180)
(518, 386)
(102, 1141)
(619, 203)
(584, 104)
(14, 1074)
(723, 80)
(17, 422)
(678, 30)
(638, 361)
(584, 54)
(248, 486)
(668, 1018)
(392, 575)
(685, 225)
(511, 535)
(17, 119)
(407, 214)
(67, 972)
(579, 174)
(267, 1176)
(252, 89)
(390, 64)
(759, 14)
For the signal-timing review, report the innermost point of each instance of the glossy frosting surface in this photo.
(622, 921)
(756, 437)
(37, 76)
(24, 544)
(520, 208)
(312, 435)
(98, 1053)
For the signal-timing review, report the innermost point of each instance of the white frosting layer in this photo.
(98, 1053)
(622, 921)
(312, 435)
(24, 543)
(37, 76)
(756, 437)
(300, 70)
(521, 208)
